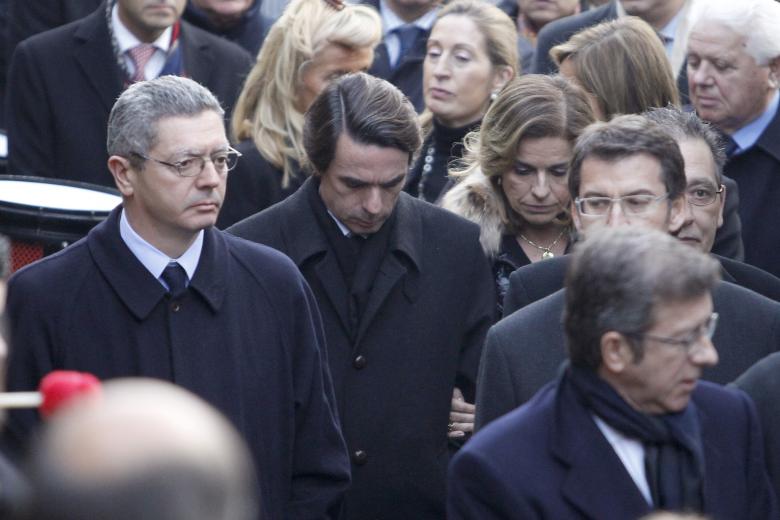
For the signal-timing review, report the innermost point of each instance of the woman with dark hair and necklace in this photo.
(471, 54)
(514, 180)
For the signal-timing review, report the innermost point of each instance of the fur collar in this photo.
(475, 199)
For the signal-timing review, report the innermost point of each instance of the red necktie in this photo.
(140, 54)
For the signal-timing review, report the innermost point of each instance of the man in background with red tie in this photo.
(63, 82)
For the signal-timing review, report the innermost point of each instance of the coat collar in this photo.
(301, 230)
(770, 137)
(95, 56)
(133, 283)
(596, 482)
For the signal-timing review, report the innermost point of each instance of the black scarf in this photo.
(674, 460)
(358, 257)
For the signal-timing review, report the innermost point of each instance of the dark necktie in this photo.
(407, 35)
(175, 277)
(730, 146)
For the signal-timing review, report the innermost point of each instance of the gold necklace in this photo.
(546, 251)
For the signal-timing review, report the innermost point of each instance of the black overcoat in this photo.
(62, 84)
(246, 337)
(757, 172)
(549, 460)
(421, 334)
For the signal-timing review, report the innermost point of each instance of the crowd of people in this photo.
(416, 259)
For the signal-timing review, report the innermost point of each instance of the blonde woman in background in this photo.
(308, 47)
(471, 54)
(621, 64)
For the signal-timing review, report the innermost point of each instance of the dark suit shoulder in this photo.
(265, 263)
(762, 376)
(751, 277)
(536, 312)
(265, 227)
(531, 421)
(46, 275)
(561, 30)
(224, 48)
(534, 281)
(445, 224)
(53, 39)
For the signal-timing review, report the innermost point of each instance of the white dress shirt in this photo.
(631, 454)
(155, 260)
(127, 40)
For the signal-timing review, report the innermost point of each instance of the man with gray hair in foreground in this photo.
(639, 321)
(142, 449)
(156, 291)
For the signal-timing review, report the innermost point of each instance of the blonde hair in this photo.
(623, 64)
(495, 26)
(266, 110)
(532, 106)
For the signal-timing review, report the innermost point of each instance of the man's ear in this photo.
(722, 203)
(575, 216)
(124, 174)
(615, 352)
(774, 72)
(676, 214)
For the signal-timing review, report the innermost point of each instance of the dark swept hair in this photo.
(368, 109)
(623, 137)
(687, 125)
(616, 280)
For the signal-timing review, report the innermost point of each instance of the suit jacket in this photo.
(757, 172)
(523, 351)
(420, 334)
(535, 281)
(559, 31)
(246, 337)
(762, 383)
(62, 84)
(408, 73)
(549, 460)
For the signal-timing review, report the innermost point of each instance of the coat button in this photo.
(359, 457)
(359, 362)
(175, 306)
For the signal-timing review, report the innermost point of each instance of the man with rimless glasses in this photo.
(628, 172)
(627, 427)
(156, 291)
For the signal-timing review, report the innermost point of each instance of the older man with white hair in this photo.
(733, 65)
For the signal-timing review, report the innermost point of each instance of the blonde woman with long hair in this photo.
(309, 46)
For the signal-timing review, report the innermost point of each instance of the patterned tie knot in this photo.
(140, 54)
(175, 277)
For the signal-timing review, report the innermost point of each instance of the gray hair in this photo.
(682, 126)
(132, 124)
(758, 21)
(625, 136)
(616, 280)
(5, 257)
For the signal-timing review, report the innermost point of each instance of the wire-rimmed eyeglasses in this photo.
(192, 166)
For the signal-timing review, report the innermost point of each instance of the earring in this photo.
(494, 95)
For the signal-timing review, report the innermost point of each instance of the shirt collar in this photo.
(668, 33)
(391, 21)
(152, 258)
(127, 40)
(748, 135)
